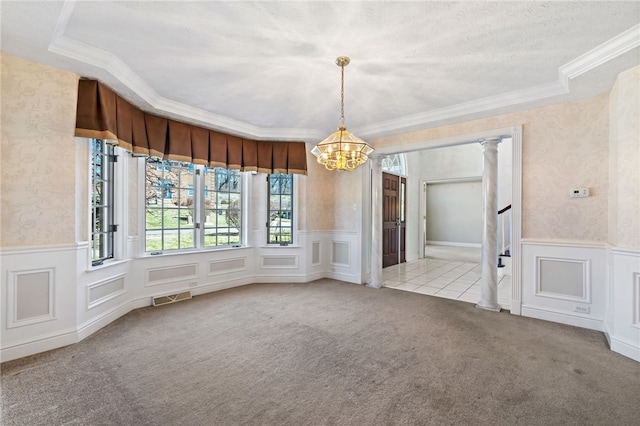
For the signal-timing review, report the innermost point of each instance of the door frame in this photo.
(423, 206)
(515, 132)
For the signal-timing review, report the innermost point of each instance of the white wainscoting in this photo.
(565, 282)
(38, 296)
(623, 320)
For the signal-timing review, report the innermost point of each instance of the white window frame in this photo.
(199, 213)
(120, 169)
(294, 213)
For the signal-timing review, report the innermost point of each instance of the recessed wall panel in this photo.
(636, 300)
(340, 253)
(284, 261)
(315, 252)
(563, 278)
(100, 292)
(30, 297)
(171, 274)
(227, 265)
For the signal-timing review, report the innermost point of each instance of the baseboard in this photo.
(340, 276)
(625, 348)
(516, 307)
(453, 244)
(87, 328)
(38, 345)
(562, 318)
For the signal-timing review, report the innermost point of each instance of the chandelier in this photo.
(342, 150)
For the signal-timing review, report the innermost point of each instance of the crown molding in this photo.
(421, 120)
(108, 62)
(610, 49)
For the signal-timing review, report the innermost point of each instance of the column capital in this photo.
(485, 141)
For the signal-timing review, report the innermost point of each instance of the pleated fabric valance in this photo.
(103, 114)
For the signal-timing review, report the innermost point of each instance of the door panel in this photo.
(392, 219)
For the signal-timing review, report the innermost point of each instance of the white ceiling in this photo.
(266, 69)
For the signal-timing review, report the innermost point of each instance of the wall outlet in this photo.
(193, 283)
(581, 309)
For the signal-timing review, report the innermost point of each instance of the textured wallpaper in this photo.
(624, 161)
(564, 146)
(38, 154)
(321, 188)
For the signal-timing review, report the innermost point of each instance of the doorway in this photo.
(394, 229)
(453, 213)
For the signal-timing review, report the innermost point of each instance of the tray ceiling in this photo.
(266, 69)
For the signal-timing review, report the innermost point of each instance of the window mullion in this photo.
(198, 206)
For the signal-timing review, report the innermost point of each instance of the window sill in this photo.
(107, 264)
(278, 246)
(148, 255)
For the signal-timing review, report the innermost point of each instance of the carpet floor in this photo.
(324, 353)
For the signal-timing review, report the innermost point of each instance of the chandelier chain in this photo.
(342, 96)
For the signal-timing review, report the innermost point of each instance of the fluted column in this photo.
(376, 280)
(489, 279)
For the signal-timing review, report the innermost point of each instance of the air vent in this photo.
(172, 298)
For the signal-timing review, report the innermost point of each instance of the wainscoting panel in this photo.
(563, 279)
(105, 290)
(225, 266)
(344, 256)
(340, 251)
(38, 296)
(623, 331)
(315, 253)
(274, 261)
(564, 282)
(636, 300)
(30, 296)
(164, 275)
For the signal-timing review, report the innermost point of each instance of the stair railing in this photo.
(504, 217)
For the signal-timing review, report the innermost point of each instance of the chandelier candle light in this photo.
(342, 150)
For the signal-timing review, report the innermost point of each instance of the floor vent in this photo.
(172, 298)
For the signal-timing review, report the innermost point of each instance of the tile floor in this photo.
(451, 279)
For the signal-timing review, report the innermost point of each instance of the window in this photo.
(395, 164)
(169, 212)
(280, 224)
(102, 205)
(182, 211)
(222, 207)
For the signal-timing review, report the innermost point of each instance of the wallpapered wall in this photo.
(38, 154)
(624, 161)
(564, 146)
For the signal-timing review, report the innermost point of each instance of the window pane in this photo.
(186, 239)
(280, 222)
(172, 189)
(102, 206)
(170, 203)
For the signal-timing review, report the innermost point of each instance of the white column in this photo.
(489, 279)
(376, 280)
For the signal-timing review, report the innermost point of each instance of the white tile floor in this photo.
(444, 278)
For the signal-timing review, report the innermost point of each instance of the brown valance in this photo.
(103, 114)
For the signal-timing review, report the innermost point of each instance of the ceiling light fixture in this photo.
(342, 150)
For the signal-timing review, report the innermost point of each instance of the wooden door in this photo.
(393, 212)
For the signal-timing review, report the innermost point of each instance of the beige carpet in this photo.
(325, 353)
